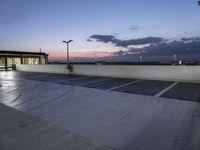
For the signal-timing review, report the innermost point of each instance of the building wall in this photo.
(2, 61)
(13, 60)
(23, 60)
(30, 60)
(173, 73)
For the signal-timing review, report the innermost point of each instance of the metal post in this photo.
(68, 54)
(6, 63)
(21, 59)
(40, 57)
(67, 42)
(46, 59)
(174, 57)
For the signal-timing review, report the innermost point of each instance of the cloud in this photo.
(190, 39)
(150, 27)
(174, 47)
(180, 48)
(135, 27)
(119, 53)
(102, 38)
(141, 41)
(89, 40)
(125, 43)
(157, 27)
(128, 53)
(153, 48)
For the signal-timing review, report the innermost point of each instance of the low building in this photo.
(9, 58)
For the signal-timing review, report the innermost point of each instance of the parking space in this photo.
(55, 78)
(108, 84)
(96, 115)
(184, 91)
(46, 77)
(84, 80)
(64, 78)
(145, 87)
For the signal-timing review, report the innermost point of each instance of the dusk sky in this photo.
(120, 29)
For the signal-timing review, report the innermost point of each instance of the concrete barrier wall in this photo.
(173, 73)
(43, 68)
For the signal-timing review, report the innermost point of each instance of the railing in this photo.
(4, 67)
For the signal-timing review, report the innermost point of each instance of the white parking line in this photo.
(166, 89)
(44, 78)
(36, 76)
(70, 79)
(95, 81)
(123, 85)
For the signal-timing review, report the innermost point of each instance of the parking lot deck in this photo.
(54, 111)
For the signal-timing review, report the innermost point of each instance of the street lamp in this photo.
(67, 42)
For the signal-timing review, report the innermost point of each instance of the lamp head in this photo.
(199, 3)
(69, 41)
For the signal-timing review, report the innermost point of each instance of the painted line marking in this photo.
(70, 79)
(123, 85)
(95, 81)
(43, 78)
(35, 76)
(166, 89)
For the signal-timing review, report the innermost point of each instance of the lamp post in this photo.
(67, 42)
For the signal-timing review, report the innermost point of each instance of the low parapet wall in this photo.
(174, 73)
(43, 68)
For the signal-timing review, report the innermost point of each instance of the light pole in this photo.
(67, 42)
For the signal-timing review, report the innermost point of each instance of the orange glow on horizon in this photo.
(76, 55)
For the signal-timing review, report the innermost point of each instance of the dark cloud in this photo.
(102, 38)
(142, 41)
(157, 27)
(175, 47)
(184, 50)
(89, 40)
(158, 48)
(135, 27)
(126, 43)
(191, 39)
(138, 27)
(129, 52)
(119, 53)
